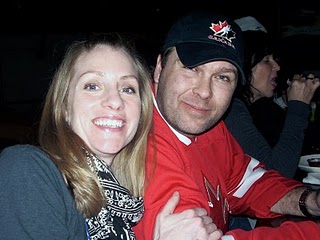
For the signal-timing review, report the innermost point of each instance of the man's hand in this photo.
(189, 224)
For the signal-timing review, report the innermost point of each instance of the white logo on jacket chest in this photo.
(215, 196)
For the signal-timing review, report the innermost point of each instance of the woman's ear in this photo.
(67, 118)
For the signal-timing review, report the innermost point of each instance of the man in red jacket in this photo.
(195, 77)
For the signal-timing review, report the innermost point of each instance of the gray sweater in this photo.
(285, 155)
(35, 202)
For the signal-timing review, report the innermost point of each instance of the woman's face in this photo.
(264, 76)
(104, 101)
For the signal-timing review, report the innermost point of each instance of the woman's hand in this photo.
(302, 88)
(189, 224)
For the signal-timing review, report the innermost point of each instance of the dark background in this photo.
(34, 34)
(74, 15)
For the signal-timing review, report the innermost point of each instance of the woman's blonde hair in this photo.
(66, 149)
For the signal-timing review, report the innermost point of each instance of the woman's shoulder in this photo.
(25, 156)
(238, 104)
(237, 108)
(21, 150)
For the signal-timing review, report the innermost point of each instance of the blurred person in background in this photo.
(261, 71)
(279, 148)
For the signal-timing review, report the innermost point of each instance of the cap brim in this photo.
(194, 54)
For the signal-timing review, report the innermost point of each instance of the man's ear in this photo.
(157, 70)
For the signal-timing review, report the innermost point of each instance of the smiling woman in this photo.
(105, 99)
(91, 148)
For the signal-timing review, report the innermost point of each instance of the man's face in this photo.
(193, 100)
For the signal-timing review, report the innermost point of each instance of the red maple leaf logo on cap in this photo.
(223, 29)
(219, 27)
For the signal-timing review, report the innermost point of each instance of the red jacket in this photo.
(212, 171)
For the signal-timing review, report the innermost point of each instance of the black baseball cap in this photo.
(201, 37)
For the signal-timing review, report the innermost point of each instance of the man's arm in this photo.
(289, 203)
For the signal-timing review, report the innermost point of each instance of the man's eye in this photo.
(224, 77)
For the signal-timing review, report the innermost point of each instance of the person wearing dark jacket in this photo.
(280, 147)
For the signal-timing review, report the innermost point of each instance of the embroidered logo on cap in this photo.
(224, 32)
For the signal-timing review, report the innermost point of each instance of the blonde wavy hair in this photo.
(66, 149)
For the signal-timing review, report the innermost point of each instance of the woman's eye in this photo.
(129, 90)
(91, 86)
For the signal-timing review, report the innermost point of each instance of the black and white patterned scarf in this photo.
(123, 210)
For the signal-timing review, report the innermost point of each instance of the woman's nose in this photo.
(276, 66)
(112, 100)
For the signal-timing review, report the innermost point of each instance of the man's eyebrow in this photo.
(232, 70)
